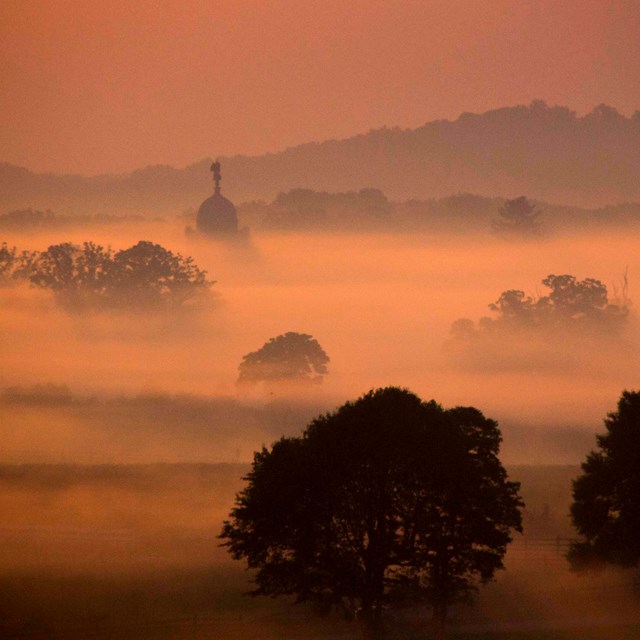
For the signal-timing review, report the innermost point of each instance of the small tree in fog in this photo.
(388, 501)
(290, 357)
(606, 497)
(518, 217)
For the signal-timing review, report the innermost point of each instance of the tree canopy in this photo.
(571, 305)
(290, 357)
(518, 216)
(14, 266)
(388, 500)
(91, 276)
(606, 497)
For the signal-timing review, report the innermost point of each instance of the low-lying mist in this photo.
(381, 306)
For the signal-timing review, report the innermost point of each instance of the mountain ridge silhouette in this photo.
(547, 153)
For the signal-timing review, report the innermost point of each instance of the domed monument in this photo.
(217, 216)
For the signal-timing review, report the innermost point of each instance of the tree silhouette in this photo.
(143, 276)
(150, 274)
(14, 266)
(573, 299)
(518, 217)
(289, 357)
(79, 277)
(572, 305)
(606, 497)
(387, 501)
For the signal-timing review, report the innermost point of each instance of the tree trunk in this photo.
(439, 621)
(371, 624)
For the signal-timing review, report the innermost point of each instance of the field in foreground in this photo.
(130, 551)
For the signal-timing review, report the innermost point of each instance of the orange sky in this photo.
(92, 86)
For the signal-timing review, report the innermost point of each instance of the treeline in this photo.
(308, 210)
(461, 214)
(23, 220)
(371, 210)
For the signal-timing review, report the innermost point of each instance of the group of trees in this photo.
(572, 307)
(387, 501)
(391, 501)
(145, 275)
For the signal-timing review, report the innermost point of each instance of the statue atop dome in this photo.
(217, 216)
(217, 175)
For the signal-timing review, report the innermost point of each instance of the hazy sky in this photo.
(93, 86)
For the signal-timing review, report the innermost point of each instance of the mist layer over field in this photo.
(130, 549)
(381, 306)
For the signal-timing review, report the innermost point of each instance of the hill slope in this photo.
(548, 153)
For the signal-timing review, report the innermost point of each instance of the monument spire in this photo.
(217, 176)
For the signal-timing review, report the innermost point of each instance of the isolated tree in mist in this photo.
(518, 217)
(606, 497)
(144, 276)
(290, 357)
(387, 501)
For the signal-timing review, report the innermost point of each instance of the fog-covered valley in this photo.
(381, 305)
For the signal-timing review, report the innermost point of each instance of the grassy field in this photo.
(130, 551)
(598, 632)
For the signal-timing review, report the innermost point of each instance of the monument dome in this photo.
(217, 215)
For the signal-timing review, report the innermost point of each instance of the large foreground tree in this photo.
(606, 497)
(387, 501)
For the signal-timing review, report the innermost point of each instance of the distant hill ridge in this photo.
(547, 153)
